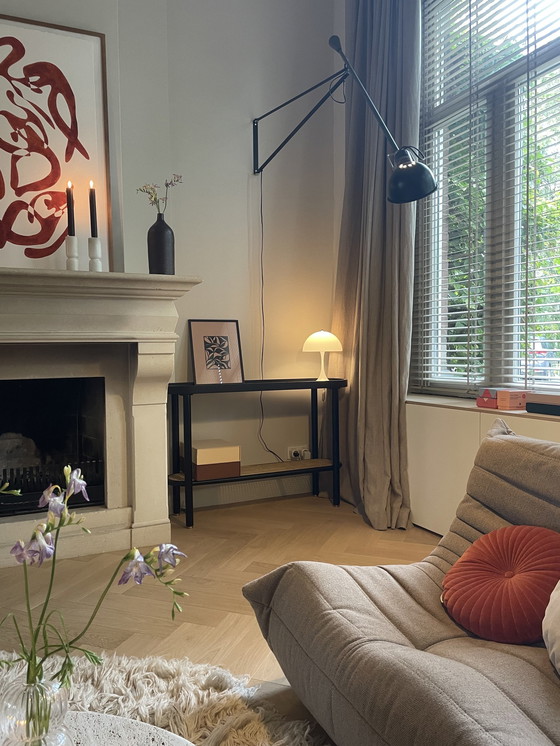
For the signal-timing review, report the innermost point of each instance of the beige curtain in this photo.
(373, 298)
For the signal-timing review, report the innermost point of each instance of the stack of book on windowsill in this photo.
(543, 403)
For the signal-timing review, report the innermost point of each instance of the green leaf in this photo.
(92, 657)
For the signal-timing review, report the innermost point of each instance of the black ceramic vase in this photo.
(161, 248)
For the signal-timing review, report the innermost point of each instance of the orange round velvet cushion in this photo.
(500, 587)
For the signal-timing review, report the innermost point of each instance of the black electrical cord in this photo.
(338, 100)
(260, 435)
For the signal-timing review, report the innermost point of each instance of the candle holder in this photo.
(94, 253)
(71, 252)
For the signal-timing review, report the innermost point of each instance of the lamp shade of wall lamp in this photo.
(411, 179)
(322, 342)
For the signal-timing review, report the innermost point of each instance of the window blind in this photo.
(487, 282)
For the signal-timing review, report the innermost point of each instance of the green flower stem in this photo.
(100, 601)
(34, 669)
(18, 633)
(51, 580)
(31, 659)
(38, 713)
(74, 640)
(165, 199)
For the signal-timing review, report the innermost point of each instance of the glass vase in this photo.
(33, 714)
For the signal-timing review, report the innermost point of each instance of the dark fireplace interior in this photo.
(44, 425)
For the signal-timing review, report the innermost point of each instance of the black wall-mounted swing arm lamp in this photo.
(410, 180)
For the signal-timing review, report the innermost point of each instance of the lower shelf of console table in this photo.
(262, 471)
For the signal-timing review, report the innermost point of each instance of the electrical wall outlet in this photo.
(295, 453)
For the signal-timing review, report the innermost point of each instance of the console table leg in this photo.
(314, 438)
(176, 493)
(175, 455)
(187, 467)
(335, 447)
(189, 509)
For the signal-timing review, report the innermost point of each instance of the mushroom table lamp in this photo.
(322, 342)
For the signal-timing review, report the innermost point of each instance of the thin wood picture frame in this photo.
(53, 130)
(216, 351)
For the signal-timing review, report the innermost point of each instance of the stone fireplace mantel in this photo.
(56, 324)
(55, 306)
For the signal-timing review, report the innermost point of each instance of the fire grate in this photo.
(32, 480)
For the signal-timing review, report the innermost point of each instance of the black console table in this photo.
(180, 394)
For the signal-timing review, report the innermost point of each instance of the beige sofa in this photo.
(374, 656)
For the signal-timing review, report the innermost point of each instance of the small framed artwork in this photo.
(216, 351)
(54, 153)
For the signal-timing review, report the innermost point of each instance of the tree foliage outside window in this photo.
(487, 295)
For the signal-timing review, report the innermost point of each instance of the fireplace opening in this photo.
(46, 424)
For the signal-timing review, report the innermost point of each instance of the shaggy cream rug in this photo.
(205, 704)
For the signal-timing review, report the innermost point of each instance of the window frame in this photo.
(430, 324)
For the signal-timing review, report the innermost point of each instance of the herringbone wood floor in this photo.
(228, 547)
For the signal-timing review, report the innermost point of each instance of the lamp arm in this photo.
(300, 95)
(334, 43)
(341, 75)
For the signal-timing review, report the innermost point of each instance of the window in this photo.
(487, 287)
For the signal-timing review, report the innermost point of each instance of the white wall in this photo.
(230, 62)
(185, 79)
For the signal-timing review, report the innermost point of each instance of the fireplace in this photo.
(116, 329)
(44, 425)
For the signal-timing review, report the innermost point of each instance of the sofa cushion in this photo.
(551, 628)
(500, 587)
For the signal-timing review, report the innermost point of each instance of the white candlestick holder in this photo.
(94, 252)
(71, 252)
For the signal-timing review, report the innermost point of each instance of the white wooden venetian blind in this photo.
(487, 292)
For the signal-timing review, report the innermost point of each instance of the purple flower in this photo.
(57, 506)
(19, 550)
(40, 548)
(167, 555)
(76, 484)
(46, 496)
(136, 569)
(54, 500)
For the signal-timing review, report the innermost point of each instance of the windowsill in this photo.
(451, 402)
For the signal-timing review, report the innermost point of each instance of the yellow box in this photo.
(511, 399)
(214, 452)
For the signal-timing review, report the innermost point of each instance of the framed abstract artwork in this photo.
(216, 351)
(53, 144)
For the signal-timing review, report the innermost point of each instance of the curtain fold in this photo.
(374, 285)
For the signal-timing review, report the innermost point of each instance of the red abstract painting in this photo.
(46, 139)
(24, 133)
